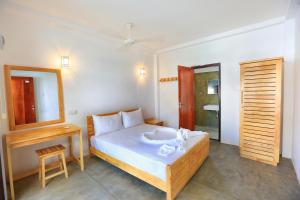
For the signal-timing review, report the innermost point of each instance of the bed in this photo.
(125, 150)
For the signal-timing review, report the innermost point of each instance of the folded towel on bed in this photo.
(183, 134)
(180, 144)
(166, 150)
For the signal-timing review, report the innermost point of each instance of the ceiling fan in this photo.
(126, 42)
(129, 40)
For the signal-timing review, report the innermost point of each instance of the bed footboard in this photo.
(181, 171)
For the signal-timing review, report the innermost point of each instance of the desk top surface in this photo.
(40, 133)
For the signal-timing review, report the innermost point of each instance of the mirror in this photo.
(34, 96)
(213, 87)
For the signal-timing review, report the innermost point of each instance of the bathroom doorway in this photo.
(207, 79)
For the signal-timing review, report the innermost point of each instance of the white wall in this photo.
(296, 139)
(103, 78)
(264, 40)
(1, 130)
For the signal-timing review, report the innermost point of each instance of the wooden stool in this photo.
(48, 152)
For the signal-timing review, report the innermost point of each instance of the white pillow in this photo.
(133, 118)
(106, 124)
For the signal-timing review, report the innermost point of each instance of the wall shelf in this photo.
(168, 79)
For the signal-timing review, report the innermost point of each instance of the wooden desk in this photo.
(30, 137)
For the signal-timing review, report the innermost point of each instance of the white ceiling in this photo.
(165, 22)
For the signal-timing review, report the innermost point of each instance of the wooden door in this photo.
(23, 100)
(186, 90)
(260, 116)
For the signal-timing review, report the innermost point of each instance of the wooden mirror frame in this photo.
(9, 97)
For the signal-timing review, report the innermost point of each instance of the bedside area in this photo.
(154, 121)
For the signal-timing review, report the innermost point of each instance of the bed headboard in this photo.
(90, 123)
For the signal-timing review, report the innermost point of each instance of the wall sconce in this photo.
(65, 62)
(142, 72)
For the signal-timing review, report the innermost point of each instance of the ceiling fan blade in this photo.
(86, 30)
(129, 27)
(155, 39)
(124, 47)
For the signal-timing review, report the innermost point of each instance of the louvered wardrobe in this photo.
(260, 112)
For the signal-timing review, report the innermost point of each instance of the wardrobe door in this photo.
(260, 113)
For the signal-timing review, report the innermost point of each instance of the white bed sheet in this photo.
(126, 145)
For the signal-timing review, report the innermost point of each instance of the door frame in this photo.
(219, 92)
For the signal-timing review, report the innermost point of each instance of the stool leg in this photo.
(60, 163)
(40, 169)
(43, 173)
(64, 163)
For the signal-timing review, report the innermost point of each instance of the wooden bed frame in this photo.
(178, 173)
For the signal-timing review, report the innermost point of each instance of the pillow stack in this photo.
(106, 124)
(111, 123)
(131, 119)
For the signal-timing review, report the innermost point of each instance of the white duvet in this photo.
(127, 145)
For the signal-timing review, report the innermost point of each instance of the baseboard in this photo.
(298, 175)
(297, 172)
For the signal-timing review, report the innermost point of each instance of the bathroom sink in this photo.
(211, 107)
(160, 136)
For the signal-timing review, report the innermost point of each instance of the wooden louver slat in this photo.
(260, 112)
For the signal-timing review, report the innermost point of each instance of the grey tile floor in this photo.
(224, 175)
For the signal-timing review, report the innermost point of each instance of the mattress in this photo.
(127, 146)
